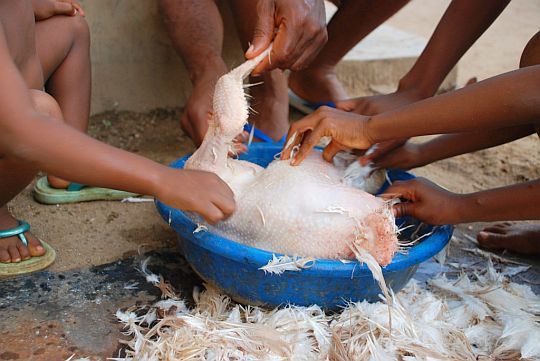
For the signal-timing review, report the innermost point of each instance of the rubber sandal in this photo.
(262, 136)
(75, 192)
(305, 106)
(32, 264)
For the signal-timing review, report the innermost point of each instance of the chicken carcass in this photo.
(306, 210)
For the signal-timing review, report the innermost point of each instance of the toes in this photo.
(23, 251)
(14, 253)
(494, 229)
(34, 246)
(491, 240)
(4, 256)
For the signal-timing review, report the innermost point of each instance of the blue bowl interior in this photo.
(233, 267)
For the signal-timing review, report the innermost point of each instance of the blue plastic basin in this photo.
(234, 268)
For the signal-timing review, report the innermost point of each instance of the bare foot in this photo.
(11, 248)
(56, 182)
(317, 85)
(519, 238)
(270, 104)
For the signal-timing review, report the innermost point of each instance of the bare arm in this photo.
(411, 155)
(196, 31)
(430, 203)
(504, 101)
(461, 25)
(52, 146)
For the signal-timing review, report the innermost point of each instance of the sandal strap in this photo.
(17, 231)
(75, 187)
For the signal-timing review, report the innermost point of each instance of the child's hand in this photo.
(426, 201)
(348, 131)
(197, 191)
(403, 155)
(44, 9)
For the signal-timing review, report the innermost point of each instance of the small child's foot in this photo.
(57, 183)
(11, 248)
(317, 85)
(519, 238)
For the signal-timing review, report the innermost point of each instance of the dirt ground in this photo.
(101, 232)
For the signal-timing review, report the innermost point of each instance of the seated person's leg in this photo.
(14, 177)
(63, 46)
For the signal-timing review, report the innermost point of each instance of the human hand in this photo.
(197, 191)
(44, 9)
(348, 131)
(400, 154)
(376, 104)
(198, 111)
(297, 29)
(425, 201)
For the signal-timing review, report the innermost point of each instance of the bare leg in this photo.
(519, 238)
(63, 46)
(200, 49)
(353, 21)
(14, 177)
(270, 101)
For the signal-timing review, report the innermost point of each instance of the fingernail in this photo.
(250, 49)
(39, 248)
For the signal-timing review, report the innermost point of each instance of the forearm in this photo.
(451, 145)
(508, 100)
(511, 203)
(461, 25)
(196, 31)
(58, 149)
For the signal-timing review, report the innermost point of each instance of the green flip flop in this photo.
(44, 193)
(32, 264)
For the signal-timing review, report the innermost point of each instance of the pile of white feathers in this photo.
(485, 317)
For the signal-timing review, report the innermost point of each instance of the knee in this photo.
(79, 28)
(46, 104)
(531, 53)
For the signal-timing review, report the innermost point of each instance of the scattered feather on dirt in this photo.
(485, 317)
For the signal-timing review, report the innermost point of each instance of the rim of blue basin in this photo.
(241, 253)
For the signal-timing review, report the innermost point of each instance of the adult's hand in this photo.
(297, 28)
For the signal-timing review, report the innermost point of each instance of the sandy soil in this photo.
(101, 232)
